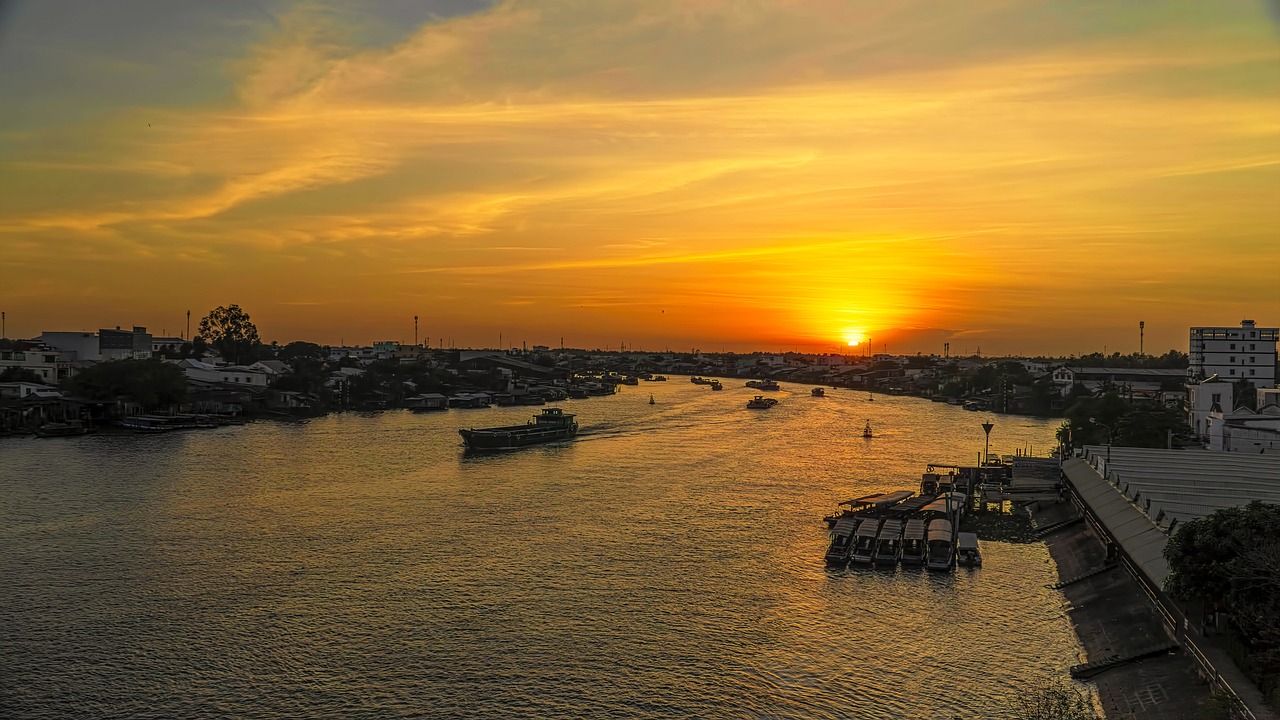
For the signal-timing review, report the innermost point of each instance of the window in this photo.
(1253, 359)
(1233, 371)
(1252, 371)
(1233, 346)
(1232, 359)
(1252, 346)
(1217, 397)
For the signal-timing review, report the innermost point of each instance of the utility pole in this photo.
(4, 326)
(188, 336)
(1142, 325)
(415, 331)
(946, 350)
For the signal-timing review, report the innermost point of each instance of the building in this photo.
(1244, 353)
(49, 364)
(106, 344)
(1206, 399)
(1134, 382)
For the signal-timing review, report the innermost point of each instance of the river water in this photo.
(668, 563)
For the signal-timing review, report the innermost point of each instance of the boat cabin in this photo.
(967, 550)
(841, 541)
(913, 542)
(553, 417)
(941, 551)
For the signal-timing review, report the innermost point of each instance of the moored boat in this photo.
(913, 543)
(864, 541)
(715, 385)
(967, 553)
(552, 425)
(889, 543)
(941, 551)
(765, 384)
(841, 541)
(61, 429)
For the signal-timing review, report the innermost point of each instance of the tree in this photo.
(150, 383)
(14, 373)
(300, 350)
(230, 331)
(1230, 560)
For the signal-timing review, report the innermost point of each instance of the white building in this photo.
(106, 344)
(50, 364)
(1207, 399)
(230, 374)
(1244, 353)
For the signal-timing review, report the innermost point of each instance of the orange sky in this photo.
(1025, 177)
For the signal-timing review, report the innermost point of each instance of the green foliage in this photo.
(20, 374)
(1231, 561)
(230, 331)
(1170, 360)
(299, 350)
(151, 383)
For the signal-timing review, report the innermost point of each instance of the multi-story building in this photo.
(1244, 353)
(49, 364)
(106, 344)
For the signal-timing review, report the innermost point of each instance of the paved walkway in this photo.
(1112, 616)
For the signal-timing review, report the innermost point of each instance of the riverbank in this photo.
(1112, 616)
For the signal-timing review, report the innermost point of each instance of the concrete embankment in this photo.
(1115, 621)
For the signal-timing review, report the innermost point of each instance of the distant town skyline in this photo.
(1027, 177)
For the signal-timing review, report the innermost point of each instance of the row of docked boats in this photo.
(899, 527)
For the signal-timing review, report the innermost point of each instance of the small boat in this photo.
(818, 392)
(552, 425)
(761, 402)
(941, 553)
(913, 547)
(864, 542)
(61, 429)
(841, 541)
(871, 397)
(967, 554)
(715, 385)
(651, 401)
(765, 384)
(889, 543)
(700, 381)
(660, 378)
(866, 431)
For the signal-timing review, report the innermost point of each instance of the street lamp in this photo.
(986, 452)
(1109, 434)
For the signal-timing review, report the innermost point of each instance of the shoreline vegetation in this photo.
(302, 380)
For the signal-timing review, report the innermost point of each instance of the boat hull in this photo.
(504, 439)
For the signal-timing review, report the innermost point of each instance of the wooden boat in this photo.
(941, 552)
(866, 431)
(552, 425)
(841, 541)
(761, 402)
(818, 392)
(967, 553)
(715, 385)
(61, 429)
(889, 543)
(913, 542)
(651, 400)
(864, 541)
(765, 384)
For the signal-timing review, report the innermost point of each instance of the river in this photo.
(666, 564)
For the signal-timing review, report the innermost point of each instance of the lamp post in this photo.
(986, 452)
(1109, 434)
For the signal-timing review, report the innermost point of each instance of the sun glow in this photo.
(854, 338)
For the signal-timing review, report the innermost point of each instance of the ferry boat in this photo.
(967, 553)
(818, 392)
(553, 424)
(765, 384)
(941, 553)
(761, 402)
(913, 547)
(864, 541)
(841, 541)
(889, 543)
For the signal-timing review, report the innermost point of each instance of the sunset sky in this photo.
(1024, 176)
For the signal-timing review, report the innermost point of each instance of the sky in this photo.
(1010, 176)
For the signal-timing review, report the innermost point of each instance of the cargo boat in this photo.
(552, 425)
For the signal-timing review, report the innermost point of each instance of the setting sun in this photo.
(854, 339)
